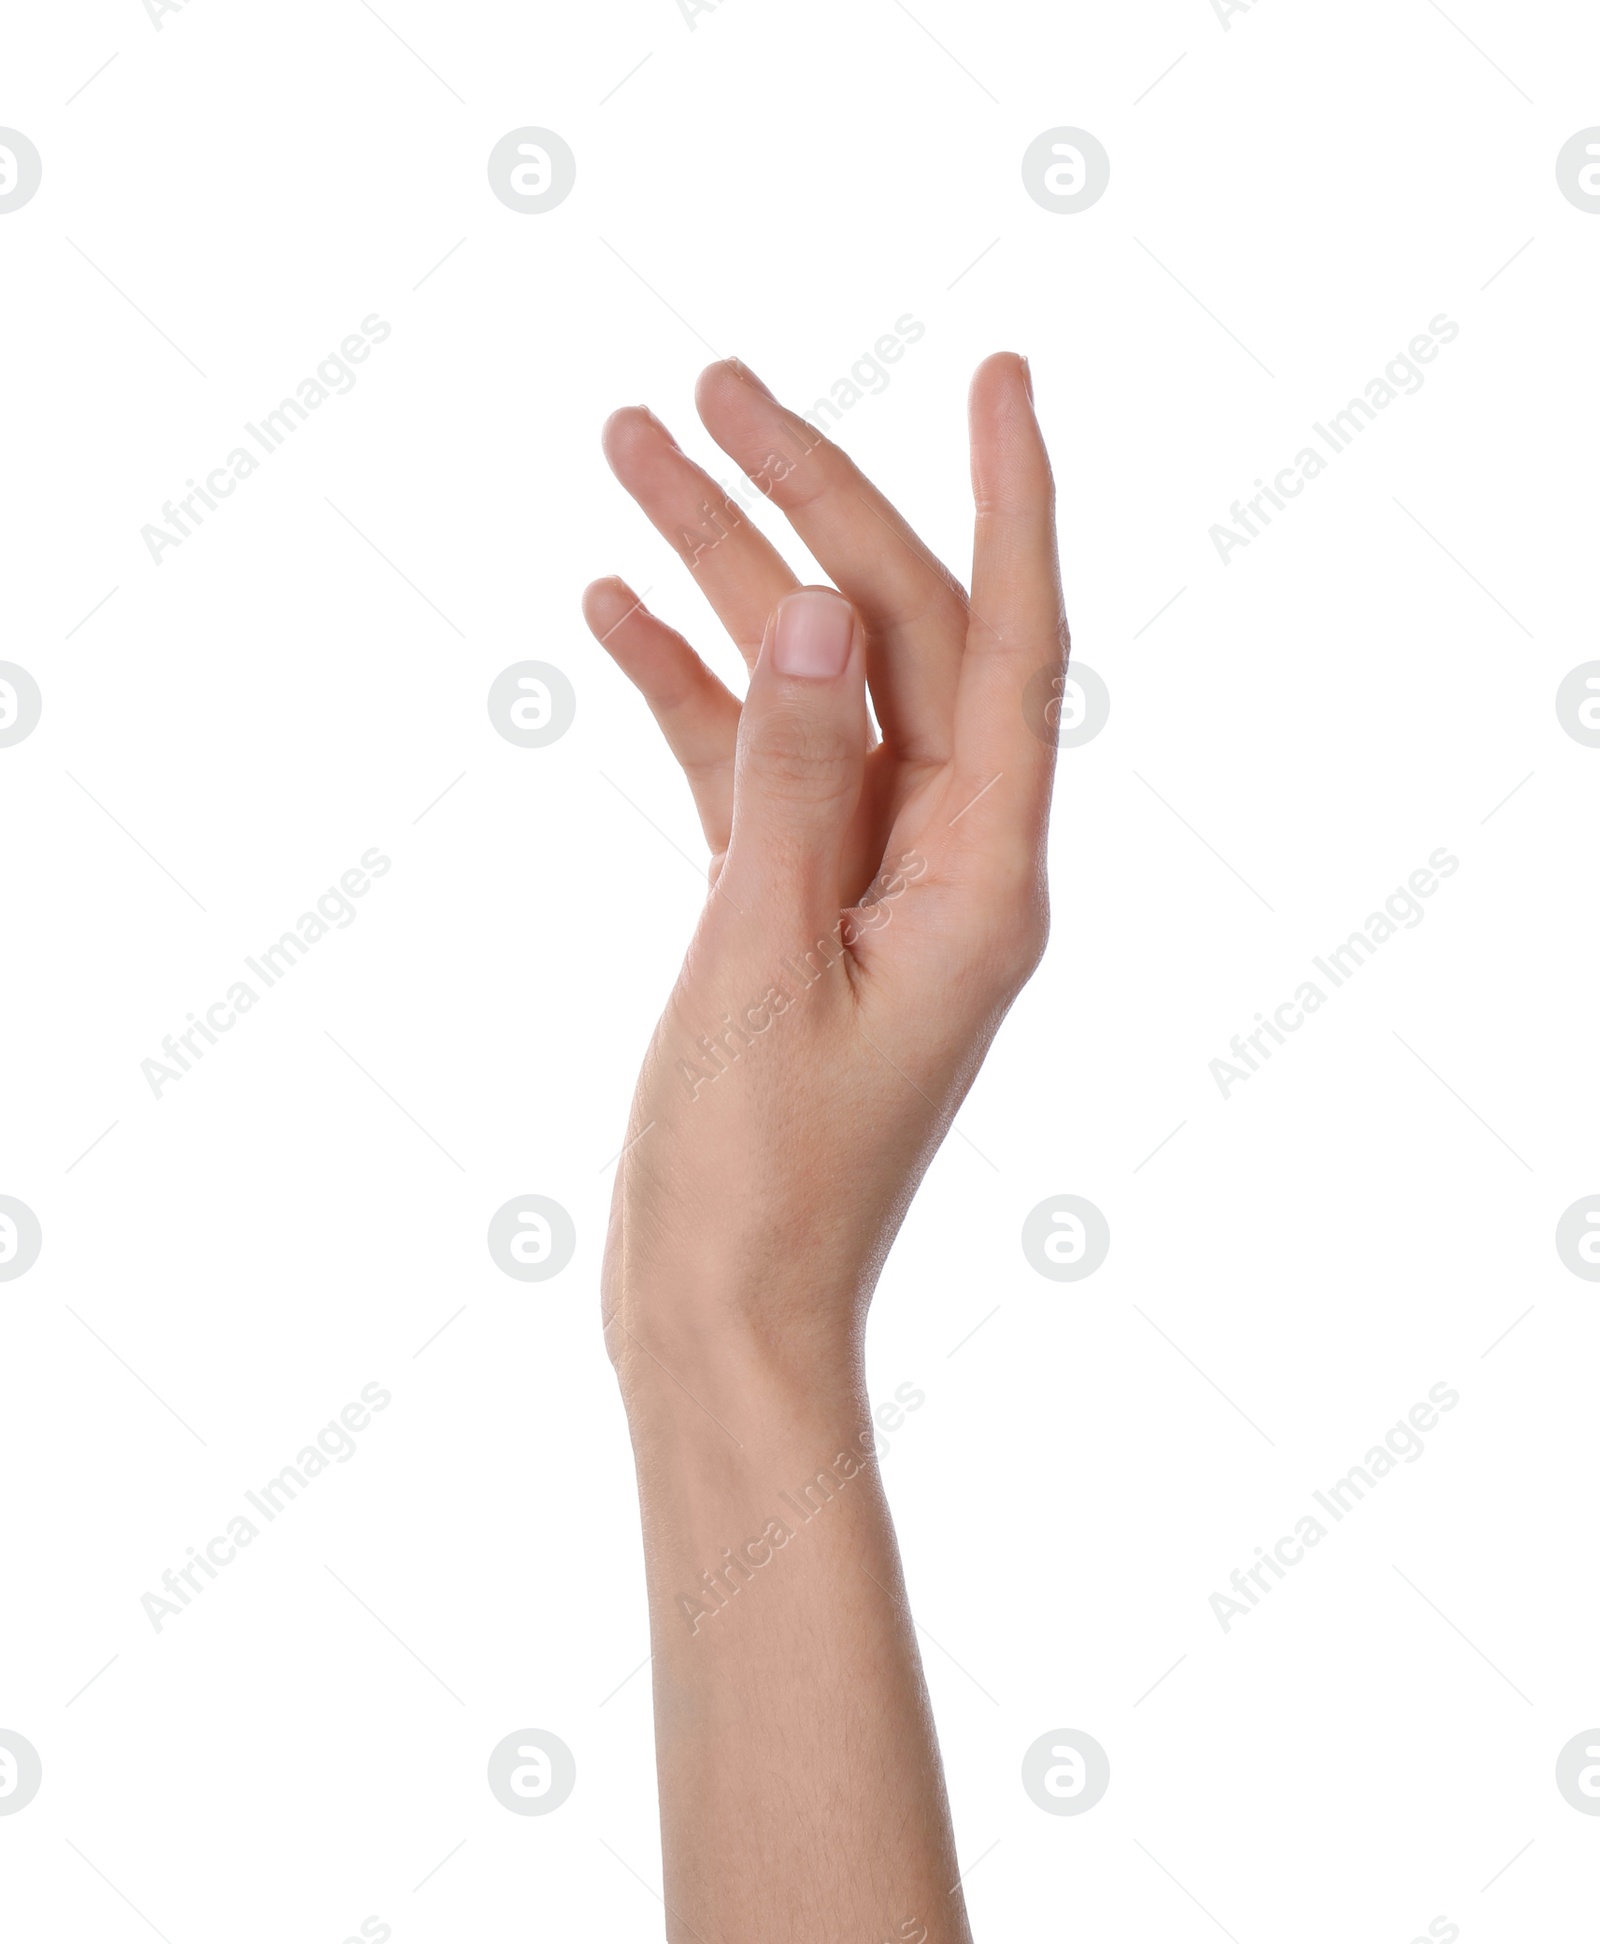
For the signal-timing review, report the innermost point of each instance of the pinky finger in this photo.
(697, 715)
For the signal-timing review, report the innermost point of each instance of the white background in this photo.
(1370, 680)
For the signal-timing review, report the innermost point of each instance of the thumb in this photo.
(801, 758)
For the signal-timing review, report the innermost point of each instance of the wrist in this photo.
(737, 1442)
(705, 1332)
(707, 1363)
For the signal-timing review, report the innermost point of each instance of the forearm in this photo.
(800, 1783)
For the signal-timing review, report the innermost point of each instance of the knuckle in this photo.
(1022, 497)
(816, 470)
(1028, 944)
(1017, 923)
(803, 758)
(1018, 941)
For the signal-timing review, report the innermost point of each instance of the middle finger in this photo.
(914, 607)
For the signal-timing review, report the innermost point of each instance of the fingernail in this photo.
(1027, 377)
(752, 380)
(812, 637)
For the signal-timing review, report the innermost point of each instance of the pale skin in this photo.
(786, 1112)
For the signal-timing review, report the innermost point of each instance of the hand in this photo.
(875, 906)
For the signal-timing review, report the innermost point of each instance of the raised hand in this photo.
(874, 907)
